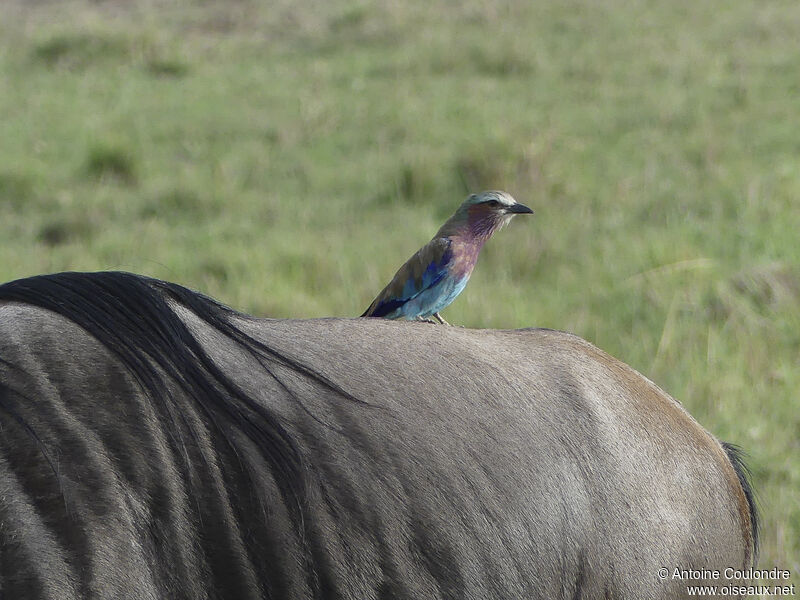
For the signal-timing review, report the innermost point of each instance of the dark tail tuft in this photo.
(736, 455)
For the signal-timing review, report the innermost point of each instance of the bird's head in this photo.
(485, 213)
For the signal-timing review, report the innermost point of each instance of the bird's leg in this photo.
(424, 320)
(440, 319)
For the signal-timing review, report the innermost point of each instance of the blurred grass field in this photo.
(287, 157)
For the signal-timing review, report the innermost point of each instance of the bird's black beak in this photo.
(519, 209)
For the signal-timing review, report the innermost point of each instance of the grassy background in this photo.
(287, 160)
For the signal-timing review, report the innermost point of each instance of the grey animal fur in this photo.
(475, 464)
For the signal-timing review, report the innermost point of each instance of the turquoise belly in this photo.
(432, 300)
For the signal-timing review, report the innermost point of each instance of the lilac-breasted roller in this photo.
(438, 272)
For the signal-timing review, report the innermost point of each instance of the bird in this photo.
(438, 272)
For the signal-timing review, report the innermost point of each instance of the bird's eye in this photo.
(494, 203)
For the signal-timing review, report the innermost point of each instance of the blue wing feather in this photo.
(433, 274)
(386, 307)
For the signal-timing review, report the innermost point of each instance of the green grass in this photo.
(287, 160)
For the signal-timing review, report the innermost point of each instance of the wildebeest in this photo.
(156, 444)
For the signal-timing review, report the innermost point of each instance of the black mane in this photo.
(131, 316)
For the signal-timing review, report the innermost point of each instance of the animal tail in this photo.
(736, 456)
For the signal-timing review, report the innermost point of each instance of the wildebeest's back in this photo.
(464, 464)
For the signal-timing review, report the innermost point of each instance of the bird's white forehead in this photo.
(502, 197)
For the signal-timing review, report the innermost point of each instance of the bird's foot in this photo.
(424, 320)
(440, 319)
